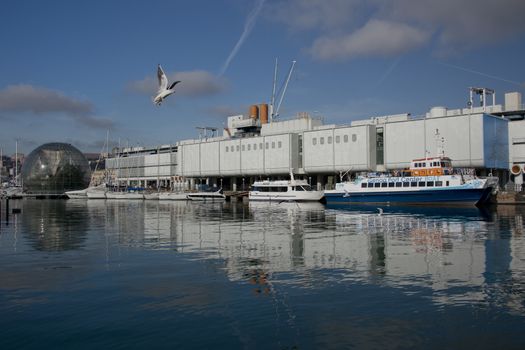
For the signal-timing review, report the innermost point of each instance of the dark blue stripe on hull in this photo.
(459, 196)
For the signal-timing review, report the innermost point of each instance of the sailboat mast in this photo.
(16, 162)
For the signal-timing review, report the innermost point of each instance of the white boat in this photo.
(97, 192)
(151, 195)
(429, 180)
(11, 192)
(125, 195)
(206, 196)
(78, 194)
(284, 190)
(173, 196)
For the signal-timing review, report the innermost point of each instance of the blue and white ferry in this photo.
(427, 181)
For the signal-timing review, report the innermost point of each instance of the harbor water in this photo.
(98, 274)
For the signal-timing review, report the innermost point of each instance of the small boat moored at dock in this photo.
(284, 190)
(206, 196)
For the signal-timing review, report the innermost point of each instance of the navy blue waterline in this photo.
(434, 196)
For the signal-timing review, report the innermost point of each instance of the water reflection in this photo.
(51, 225)
(462, 256)
(449, 255)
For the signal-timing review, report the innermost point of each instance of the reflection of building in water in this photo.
(259, 240)
(54, 225)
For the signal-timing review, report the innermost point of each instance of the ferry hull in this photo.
(468, 196)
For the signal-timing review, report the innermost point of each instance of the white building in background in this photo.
(489, 138)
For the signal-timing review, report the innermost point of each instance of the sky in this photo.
(72, 70)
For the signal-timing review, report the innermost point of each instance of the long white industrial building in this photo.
(488, 138)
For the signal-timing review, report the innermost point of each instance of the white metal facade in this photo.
(470, 140)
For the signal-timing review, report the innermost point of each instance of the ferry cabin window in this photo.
(447, 183)
(338, 139)
(345, 138)
(399, 184)
(314, 141)
(384, 184)
(298, 188)
(321, 140)
(430, 183)
(391, 184)
(306, 187)
(421, 183)
(363, 185)
(329, 140)
(377, 184)
(413, 184)
(439, 183)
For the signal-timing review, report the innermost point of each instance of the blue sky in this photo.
(70, 70)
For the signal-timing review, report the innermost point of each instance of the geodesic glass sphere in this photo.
(55, 168)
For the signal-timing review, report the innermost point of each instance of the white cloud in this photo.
(376, 38)
(456, 25)
(194, 83)
(42, 101)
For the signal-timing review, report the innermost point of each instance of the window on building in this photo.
(354, 137)
(280, 144)
(321, 140)
(260, 145)
(379, 146)
(314, 141)
(338, 139)
(254, 146)
(249, 147)
(329, 140)
(227, 148)
(243, 148)
(273, 144)
(345, 138)
(267, 146)
(237, 148)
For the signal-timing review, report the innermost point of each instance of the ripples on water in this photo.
(82, 274)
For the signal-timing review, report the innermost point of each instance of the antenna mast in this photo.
(275, 113)
(272, 102)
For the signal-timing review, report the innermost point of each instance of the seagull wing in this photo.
(163, 80)
(173, 85)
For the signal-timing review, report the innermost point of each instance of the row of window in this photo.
(250, 146)
(431, 164)
(281, 188)
(406, 184)
(329, 139)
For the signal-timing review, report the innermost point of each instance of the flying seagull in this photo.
(164, 91)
